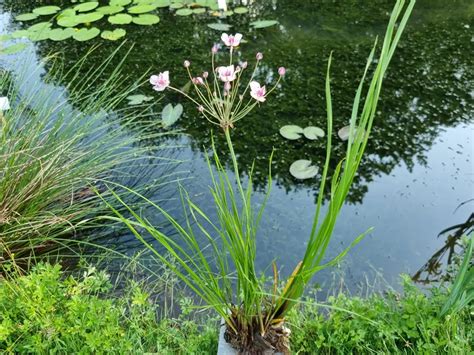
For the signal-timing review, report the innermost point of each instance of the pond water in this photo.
(418, 167)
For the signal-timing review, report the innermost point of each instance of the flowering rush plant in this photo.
(221, 96)
(227, 280)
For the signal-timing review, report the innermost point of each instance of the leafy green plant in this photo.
(56, 143)
(462, 292)
(49, 311)
(254, 314)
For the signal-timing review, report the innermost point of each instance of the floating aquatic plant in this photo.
(120, 12)
(171, 114)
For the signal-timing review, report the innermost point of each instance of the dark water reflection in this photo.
(418, 165)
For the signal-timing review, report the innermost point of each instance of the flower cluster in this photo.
(222, 98)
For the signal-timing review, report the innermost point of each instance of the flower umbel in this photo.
(219, 94)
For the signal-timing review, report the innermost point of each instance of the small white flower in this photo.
(4, 103)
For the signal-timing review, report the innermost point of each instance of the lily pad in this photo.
(20, 34)
(162, 3)
(146, 20)
(86, 6)
(67, 13)
(291, 132)
(14, 48)
(176, 5)
(199, 10)
(89, 17)
(67, 21)
(113, 35)
(171, 114)
(184, 12)
(343, 133)
(120, 2)
(86, 34)
(313, 132)
(110, 10)
(219, 26)
(138, 99)
(26, 17)
(41, 26)
(263, 23)
(241, 10)
(46, 10)
(120, 19)
(141, 9)
(59, 34)
(302, 169)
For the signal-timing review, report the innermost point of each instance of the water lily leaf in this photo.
(141, 9)
(14, 48)
(20, 34)
(67, 21)
(110, 10)
(6, 37)
(184, 12)
(120, 2)
(199, 10)
(219, 26)
(302, 169)
(67, 13)
(241, 10)
(146, 20)
(138, 99)
(263, 23)
(113, 35)
(228, 13)
(86, 34)
(291, 132)
(41, 26)
(162, 3)
(46, 10)
(171, 114)
(90, 17)
(59, 34)
(343, 133)
(26, 17)
(313, 132)
(120, 19)
(39, 35)
(86, 6)
(176, 5)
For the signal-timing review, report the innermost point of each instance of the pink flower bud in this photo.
(214, 49)
(227, 86)
(198, 81)
(244, 65)
(205, 75)
(201, 108)
(281, 71)
(259, 56)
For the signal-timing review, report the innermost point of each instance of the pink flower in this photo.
(198, 81)
(187, 63)
(281, 71)
(227, 86)
(227, 74)
(214, 49)
(160, 81)
(244, 65)
(259, 56)
(205, 75)
(231, 40)
(257, 92)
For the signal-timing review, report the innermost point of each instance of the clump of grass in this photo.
(59, 140)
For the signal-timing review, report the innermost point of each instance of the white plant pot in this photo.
(224, 348)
